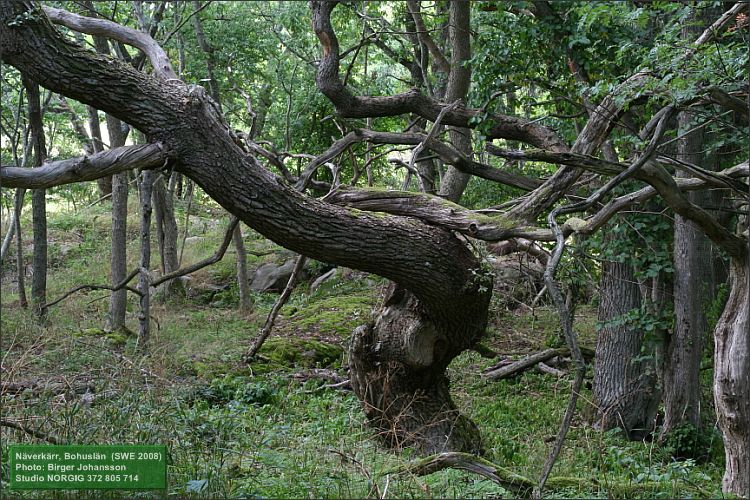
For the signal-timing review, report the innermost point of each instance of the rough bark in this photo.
(144, 315)
(731, 382)
(693, 289)
(625, 391)
(449, 289)
(38, 206)
(166, 235)
(397, 367)
(459, 33)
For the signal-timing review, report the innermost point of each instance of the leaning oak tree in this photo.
(438, 303)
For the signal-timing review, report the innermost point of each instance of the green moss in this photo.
(301, 352)
(90, 332)
(336, 315)
(118, 337)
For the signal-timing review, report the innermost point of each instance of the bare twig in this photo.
(118, 286)
(31, 432)
(283, 298)
(205, 262)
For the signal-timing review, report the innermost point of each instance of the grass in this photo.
(235, 431)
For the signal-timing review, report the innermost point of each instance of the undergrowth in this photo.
(233, 430)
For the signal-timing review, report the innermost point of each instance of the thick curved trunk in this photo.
(450, 290)
(732, 380)
(398, 367)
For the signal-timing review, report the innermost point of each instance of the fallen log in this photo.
(545, 368)
(522, 487)
(504, 369)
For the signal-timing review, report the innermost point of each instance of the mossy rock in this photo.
(90, 332)
(118, 337)
(210, 369)
(300, 352)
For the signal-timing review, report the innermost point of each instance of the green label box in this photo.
(85, 467)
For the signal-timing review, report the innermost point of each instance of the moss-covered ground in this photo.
(239, 430)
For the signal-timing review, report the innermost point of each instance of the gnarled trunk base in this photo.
(398, 372)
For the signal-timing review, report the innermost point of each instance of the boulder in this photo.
(518, 278)
(272, 278)
(322, 279)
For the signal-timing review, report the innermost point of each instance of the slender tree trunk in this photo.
(8, 238)
(454, 182)
(144, 281)
(246, 303)
(38, 207)
(20, 266)
(625, 385)
(732, 380)
(166, 233)
(105, 183)
(118, 259)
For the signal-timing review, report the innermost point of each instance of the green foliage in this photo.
(232, 389)
(715, 307)
(688, 442)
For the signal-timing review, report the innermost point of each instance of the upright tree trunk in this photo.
(8, 238)
(144, 281)
(694, 281)
(166, 233)
(105, 183)
(246, 303)
(454, 182)
(20, 265)
(732, 380)
(38, 207)
(118, 258)
(397, 366)
(693, 289)
(625, 388)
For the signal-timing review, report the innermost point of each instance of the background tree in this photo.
(437, 306)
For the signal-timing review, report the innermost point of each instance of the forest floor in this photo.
(268, 429)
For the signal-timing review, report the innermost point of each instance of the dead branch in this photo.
(140, 40)
(31, 432)
(505, 369)
(85, 168)
(118, 286)
(271, 319)
(216, 257)
(545, 368)
(518, 485)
